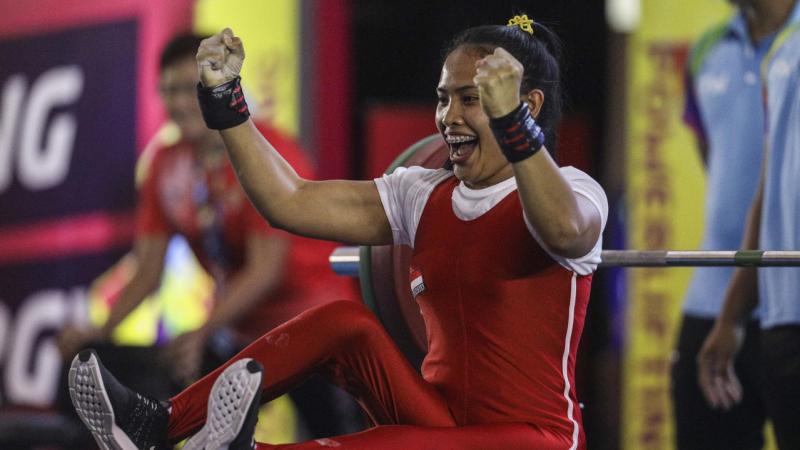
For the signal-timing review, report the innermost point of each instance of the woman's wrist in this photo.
(223, 106)
(517, 134)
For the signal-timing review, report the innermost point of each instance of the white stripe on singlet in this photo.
(565, 361)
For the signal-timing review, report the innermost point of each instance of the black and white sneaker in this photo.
(232, 409)
(118, 418)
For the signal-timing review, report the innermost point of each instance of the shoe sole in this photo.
(88, 394)
(228, 405)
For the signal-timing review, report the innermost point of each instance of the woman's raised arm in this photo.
(346, 211)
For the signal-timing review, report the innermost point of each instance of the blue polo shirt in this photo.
(779, 288)
(724, 107)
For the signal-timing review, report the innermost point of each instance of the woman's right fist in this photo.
(220, 58)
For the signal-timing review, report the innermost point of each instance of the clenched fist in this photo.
(499, 78)
(220, 58)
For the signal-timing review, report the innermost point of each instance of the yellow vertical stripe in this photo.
(270, 30)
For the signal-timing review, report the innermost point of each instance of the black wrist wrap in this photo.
(223, 106)
(517, 133)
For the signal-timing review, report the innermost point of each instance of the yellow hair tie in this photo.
(523, 22)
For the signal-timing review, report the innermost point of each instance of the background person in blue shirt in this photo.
(724, 108)
(774, 224)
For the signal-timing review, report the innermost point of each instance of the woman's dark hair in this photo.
(179, 47)
(540, 55)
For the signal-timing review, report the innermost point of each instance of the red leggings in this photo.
(344, 342)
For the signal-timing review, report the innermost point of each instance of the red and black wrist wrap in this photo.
(517, 133)
(223, 106)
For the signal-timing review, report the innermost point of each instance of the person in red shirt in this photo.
(504, 246)
(263, 276)
(266, 275)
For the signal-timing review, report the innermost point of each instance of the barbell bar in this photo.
(345, 260)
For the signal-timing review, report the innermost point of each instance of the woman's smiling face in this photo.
(474, 151)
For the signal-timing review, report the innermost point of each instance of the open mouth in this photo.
(461, 147)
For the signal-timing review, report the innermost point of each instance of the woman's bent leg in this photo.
(344, 342)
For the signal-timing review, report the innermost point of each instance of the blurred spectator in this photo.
(724, 108)
(771, 226)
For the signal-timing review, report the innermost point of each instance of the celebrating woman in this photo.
(504, 246)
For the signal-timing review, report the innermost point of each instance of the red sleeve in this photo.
(149, 214)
